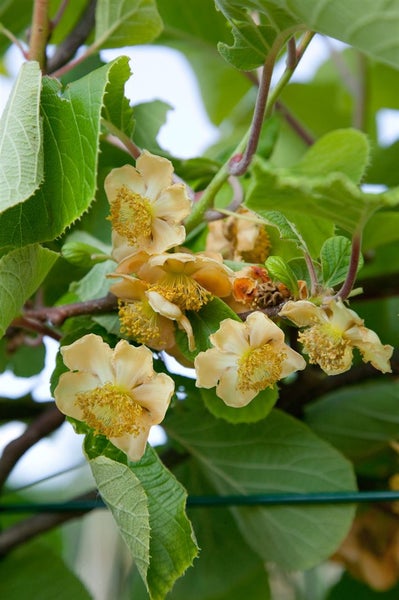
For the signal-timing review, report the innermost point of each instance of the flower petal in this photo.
(91, 354)
(370, 347)
(130, 288)
(209, 366)
(165, 236)
(133, 365)
(126, 175)
(231, 336)
(132, 445)
(156, 171)
(302, 312)
(227, 390)
(155, 396)
(263, 330)
(293, 362)
(70, 384)
(172, 204)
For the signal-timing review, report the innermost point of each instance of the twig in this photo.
(58, 314)
(45, 424)
(39, 33)
(353, 267)
(67, 49)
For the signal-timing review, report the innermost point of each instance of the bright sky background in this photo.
(158, 73)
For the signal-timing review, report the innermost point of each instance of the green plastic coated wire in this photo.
(215, 501)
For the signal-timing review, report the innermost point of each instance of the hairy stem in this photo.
(40, 32)
(349, 282)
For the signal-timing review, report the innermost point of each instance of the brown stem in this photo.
(22, 408)
(349, 282)
(39, 33)
(32, 324)
(67, 49)
(58, 314)
(45, 424)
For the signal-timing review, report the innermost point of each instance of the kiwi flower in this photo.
(185, 279)
(332, 332)
(147, 209)
(115, 391)
(247, 358)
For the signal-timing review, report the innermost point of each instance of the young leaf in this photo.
(277, 454)
(279, 270)
(172, 547)
(359, 420)
(256, 410)
(21, 273)
(71, 130)
(126, 23)
(21, 153)
(335, 259)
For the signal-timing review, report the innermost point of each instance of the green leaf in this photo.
(126, 23)
(117, 109)
(71, 130)
(278, 454)
(256, 410)
(21, 273)
(382, 228)
(359, 420)
(204, 322)
(279, 270)
(335, 260)
(28, 360)
(343, 150)
(333, 198)
(149, 118)
(38, 582)
(124, 495)
(172, 545)
(21, 157)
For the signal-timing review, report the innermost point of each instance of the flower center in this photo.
(326, 347)
(140, 322)
(110, 410)
(182, 290)
(259, 368)
(131, 216)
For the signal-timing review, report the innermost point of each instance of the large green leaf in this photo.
(71, 130)
(368, 25)
(278, 454)
(360, 420)
(172, 548)
(126, 23)
(21, 157)
(38, 581)
(21, 273)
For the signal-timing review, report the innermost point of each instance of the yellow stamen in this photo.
(325, 346)
(131, 216)
(140, 322)
(182, 290)
(259, 368)
(110, 410)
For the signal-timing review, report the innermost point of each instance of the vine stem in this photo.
(349, 282)
(263, 107)
(39, 33)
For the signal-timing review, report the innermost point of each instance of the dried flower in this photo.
(115, 391)
(332, 332)
(247, 358)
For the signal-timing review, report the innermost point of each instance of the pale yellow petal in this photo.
(263, 330)
(123, 176)
(209, 366)
(89, 353)
(228, 391)
(70, 384)
(302, 312)
(172, 204)
(371, 348)
(132, 445)
(162, 306)
(215, 278)
(133, 262)
(156, 171)
(293, 362)
(133, 365)
(130, 288)
(165, 236)
(155, 396)
(232, 336)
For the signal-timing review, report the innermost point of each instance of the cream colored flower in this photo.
(247, 358)
(115, 391)
(146, 208)
(148, 317)
(331, 334)
(187, 280)
(239, 237)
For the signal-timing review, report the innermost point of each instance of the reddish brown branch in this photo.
(56, 315)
